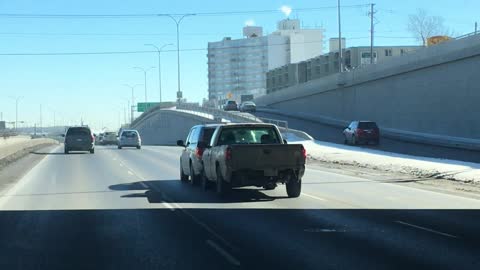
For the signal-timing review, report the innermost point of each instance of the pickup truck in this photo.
(253, 155)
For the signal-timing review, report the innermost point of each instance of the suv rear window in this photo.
(207, 134)
(129, 134)
(231, 102)
(367, 125)
(78, 131)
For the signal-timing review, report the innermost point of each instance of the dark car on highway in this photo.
(191, 164)
(79, 139)
(231, 105)
(362, 132)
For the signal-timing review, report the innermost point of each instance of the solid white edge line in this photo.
(426, 229)
(129, 172)
(224, 253)
(313, 197)
(6, 194)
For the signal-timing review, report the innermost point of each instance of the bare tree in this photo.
(423, 26)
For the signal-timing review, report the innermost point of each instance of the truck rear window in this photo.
(248, 135)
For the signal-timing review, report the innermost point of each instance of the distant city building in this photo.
(327, 64)
(2, 125)
(238, 67)
(333, 44)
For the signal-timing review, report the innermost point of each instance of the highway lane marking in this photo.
(313, 197)
(169, 206)
(224, 253)
(426, 229)
(129, 172)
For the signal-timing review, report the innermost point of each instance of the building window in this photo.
(388, 52)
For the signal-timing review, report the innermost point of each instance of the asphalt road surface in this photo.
(333, 134)
(127, 209)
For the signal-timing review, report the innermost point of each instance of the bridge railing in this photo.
(219, 114)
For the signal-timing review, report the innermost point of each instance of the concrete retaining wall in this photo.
(165, 127)
(433, 91)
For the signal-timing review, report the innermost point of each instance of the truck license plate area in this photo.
(270, 172)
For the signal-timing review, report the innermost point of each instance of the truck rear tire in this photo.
(294, 187)
(223, 187)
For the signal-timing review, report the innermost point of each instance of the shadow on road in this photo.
(57, 153)
(155, 191)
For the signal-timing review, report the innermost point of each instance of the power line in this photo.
(151, 51)
(154, 15)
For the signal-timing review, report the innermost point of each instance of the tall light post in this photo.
(159, 50)
(145, 78)
(177, 22)
(132, 87)
(17, 100)
(340, 53)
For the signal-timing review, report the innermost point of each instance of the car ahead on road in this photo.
(362, 132)
(109, 138)
(79, 139)
(191, 165)
(253, 155)
(248, 106)
(129, 138)
(230, 105)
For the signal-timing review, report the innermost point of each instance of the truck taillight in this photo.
(93, 138)
(359, 131)
(228, 153)
(199, 152)
(304, 152)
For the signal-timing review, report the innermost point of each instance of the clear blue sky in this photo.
(90, 86)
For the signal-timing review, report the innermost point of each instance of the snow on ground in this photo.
(390, 162)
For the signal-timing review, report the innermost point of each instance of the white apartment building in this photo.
(239, 67)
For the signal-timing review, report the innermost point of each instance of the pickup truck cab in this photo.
(253, 155)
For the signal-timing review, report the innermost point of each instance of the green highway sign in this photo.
(145, 106)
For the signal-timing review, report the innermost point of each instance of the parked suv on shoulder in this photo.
(362, 132)
(79, 139)
(191, 165)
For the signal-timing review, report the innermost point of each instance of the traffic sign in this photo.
(145, 106)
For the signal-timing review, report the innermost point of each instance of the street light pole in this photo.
(145, 78)
(132, 87)
(17, 100)
(177, 22)
(159, 50)
(340, 53)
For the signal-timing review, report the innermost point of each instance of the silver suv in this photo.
(129, 138)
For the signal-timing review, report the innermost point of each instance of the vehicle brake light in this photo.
(228, 153)
(199, 152)
(93, 137)
(359, 131)
(304, 152)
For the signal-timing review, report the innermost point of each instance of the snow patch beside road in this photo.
(391, 162)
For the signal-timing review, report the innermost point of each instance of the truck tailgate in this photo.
(266, 156)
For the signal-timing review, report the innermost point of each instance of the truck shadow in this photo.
(154, 191)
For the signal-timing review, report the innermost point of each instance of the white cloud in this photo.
(249, 22)
(286, 10)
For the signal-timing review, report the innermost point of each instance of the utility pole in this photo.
(372, 31)
(41, 124)
(340, 53)
(476, 27)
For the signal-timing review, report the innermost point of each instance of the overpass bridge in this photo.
(165, 126)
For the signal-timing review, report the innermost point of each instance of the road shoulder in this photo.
(452, 187)
(12, 172)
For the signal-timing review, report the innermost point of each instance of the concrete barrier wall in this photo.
(433, 91)
(165, 127)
